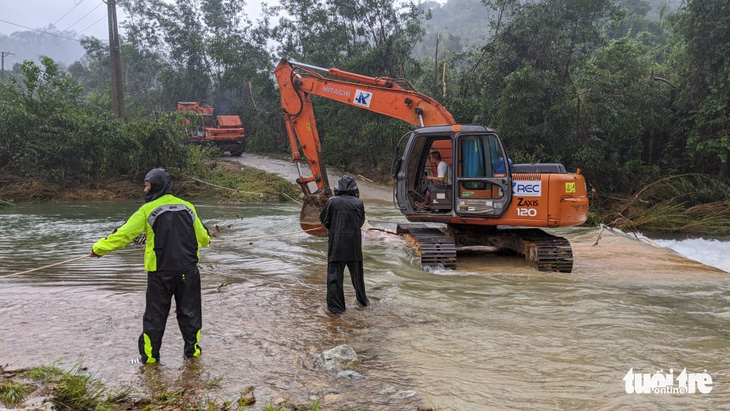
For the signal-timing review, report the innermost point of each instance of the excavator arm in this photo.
(383, 95)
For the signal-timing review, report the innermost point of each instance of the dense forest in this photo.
(461, 23)
(629, 91)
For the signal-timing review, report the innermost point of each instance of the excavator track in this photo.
(437, 250)
(549, 252)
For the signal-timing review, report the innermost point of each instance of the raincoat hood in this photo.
(160, 180)
(347, 186)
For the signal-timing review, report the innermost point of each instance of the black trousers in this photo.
(161, 287)
(335, 293)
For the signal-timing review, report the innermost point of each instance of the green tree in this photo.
(703, 84)
(521, 82)
(370, 37)
(622, 130)
(141, 71)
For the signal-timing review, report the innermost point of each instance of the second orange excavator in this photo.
(223, 131)
(485, 201)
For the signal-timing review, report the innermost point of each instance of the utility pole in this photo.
(2, 73)
(115, 60)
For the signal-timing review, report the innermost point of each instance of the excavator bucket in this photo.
(309, 217)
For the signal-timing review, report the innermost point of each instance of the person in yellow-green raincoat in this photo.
(174, 235)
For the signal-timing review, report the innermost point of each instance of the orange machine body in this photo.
(225, 131)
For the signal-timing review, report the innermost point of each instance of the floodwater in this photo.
(493, 334)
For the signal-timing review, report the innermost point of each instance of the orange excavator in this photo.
(223, 131)
(485, 201)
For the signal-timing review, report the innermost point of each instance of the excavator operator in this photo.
(438, 181)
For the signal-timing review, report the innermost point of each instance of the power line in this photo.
(69, 11)
(54, 34)
(90, 25)
(84, 16)
(40, 31)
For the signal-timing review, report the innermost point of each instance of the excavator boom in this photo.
(298, 81)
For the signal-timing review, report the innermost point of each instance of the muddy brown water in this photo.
(493, 334)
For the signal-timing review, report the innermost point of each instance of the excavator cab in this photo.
(478, 182)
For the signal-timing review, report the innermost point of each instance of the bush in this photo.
(49, 131)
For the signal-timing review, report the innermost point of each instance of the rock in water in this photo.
(334, 358)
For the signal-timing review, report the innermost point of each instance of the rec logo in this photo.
(663, 383)
(527, 188)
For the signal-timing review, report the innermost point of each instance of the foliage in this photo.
(75, 389)
(376, 34)
(371, 37)
(703, 102)
(622, 112)
(49, 130)
(230, 181)
(142, 69)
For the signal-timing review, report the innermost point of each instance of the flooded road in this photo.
(494, 334)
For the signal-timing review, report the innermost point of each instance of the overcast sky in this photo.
(86, 17)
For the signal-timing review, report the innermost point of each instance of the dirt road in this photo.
(369, 191)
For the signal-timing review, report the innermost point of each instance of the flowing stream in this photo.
(493, 334)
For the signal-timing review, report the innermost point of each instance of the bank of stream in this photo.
(493, 334)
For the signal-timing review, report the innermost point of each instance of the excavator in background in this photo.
(225, 132)
(488, 201)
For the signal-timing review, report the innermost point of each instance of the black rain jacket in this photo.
(174, 233)
(343, 215)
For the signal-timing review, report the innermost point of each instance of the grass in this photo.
(233, 182)
(67, 390)
(214, 383)
(76, 389)
(12, 393)
(226, 181)
(44, 374)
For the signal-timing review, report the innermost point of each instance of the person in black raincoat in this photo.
(343, 215)
(174, 235)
